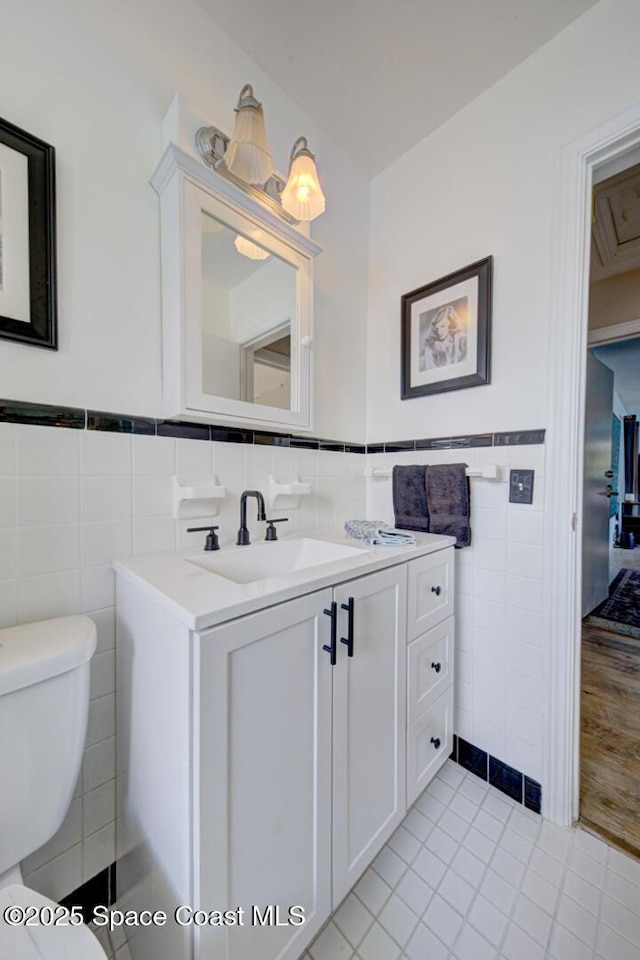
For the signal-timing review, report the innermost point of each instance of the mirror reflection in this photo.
(248, 305)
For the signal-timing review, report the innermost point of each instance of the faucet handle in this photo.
(272, 533)
(211, 540)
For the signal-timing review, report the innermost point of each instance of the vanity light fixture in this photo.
(302, 195)
(245, 160)
(250, 249)
(248, 154)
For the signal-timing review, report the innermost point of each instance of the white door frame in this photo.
(563, 497)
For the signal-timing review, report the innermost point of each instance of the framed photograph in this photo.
(27, 239)
(446, 332)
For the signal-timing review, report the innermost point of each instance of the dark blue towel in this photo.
(448, 501)
(410, 498)
(434, 499)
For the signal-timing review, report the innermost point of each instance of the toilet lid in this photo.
(43, 942)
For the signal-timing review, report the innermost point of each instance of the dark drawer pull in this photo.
(332, 647)
(349, 606)
(436, 590)
(437, 667)
(436, 742)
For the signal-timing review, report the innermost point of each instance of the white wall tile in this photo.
(525, 559)
(8, 554)
(489, 524)
(523, 526)
(102, 723)
(152, 497)
(8, 501)
(103, 676)
(98, 851)
(104, 454)
(48, 549)
(524, 592)
(154, 455)
(106, 498)
(99, 808)
(194, 458)
(97, 588)
(51, 595)
(525, 625)
(99, 764)
(153, 535)
(59, 876)
(104, 540)
(7, 448)
(7, 603)
(47, 500)
(47, 452)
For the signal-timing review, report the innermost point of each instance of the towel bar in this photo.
(489, 471)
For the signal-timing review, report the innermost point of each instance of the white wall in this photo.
(481, 184)
(96, 80)
(484, 183)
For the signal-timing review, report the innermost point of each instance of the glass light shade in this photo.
(302, 195)
(248, 155)
(249, 249)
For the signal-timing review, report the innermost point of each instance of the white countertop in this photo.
(200, 598)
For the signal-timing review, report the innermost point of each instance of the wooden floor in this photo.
(610, 737)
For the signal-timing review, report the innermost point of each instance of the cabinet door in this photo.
(262, 765)
(369, 722)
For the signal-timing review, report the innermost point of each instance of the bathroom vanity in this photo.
(279, 708)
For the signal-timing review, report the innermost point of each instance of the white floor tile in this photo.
(378, 945)
(398, 920)
(331, 945)
(472, 875)
(471, 945)
(353, 919)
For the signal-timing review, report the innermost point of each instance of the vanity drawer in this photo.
(429, 743)
(430, 591)
(429, 668)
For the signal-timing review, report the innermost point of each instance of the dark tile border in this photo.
(100, 891)
(16, 411)
(499, 774)
(41, 414)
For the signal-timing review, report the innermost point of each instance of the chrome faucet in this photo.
(243, 533)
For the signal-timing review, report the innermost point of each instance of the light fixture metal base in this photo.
(212, 144)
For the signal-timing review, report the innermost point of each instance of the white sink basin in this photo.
(265, 560)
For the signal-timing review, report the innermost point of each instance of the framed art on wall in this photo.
(446, 332)
(27, 238)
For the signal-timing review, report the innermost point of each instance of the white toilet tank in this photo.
(44, 704)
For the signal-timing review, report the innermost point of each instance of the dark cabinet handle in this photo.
(437, 667)
(436, 742)
(349, 606)
(436, 590)
(331, 648)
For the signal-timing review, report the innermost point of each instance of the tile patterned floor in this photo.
(472, 875)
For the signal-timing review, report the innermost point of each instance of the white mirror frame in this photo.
(186, 188)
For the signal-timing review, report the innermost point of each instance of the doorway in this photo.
(612, 142)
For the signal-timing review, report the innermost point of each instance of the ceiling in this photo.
(624, 359)
(378, 76)
(616, 227)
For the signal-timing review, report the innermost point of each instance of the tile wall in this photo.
(500, 689)
(70, 501)
(74, 499)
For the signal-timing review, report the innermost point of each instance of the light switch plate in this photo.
(521, 486)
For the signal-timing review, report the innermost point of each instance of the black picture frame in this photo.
(32, 283)
(446, 329)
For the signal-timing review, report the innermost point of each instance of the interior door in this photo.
(595, 505)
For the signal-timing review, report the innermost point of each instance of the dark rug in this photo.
(620, 612)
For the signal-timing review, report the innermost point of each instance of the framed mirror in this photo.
(237, 303)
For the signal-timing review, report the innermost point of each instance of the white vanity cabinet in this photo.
(254, 771)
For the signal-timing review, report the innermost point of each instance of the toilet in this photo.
(44, 705)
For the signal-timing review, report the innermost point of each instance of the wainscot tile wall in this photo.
(99, 486)
(499, 683)
(72, 500)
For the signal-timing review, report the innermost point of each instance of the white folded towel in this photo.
(379, 534)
